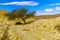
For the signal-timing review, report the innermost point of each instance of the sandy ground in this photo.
(39, 30)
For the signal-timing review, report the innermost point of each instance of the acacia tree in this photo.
(20, 13)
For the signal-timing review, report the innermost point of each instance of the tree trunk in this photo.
(24, 20)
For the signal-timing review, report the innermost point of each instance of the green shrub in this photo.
(20, 13)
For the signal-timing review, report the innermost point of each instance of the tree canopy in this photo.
(20, 13)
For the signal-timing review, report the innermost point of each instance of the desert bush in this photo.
(58, 27)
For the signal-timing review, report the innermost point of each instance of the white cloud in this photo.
(49, 10)
(57, 8)
(38, 13)
(55, 4)
(41, 13)
(22, 3)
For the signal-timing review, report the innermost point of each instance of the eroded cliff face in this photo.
(43, 29)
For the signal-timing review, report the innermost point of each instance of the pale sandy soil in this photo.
(43, 29)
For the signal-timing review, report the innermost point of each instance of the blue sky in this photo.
(42, 7)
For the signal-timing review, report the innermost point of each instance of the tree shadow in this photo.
(19, 23)
(30, 22)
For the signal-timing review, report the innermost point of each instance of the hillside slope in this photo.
(48, 16)
(2, 15)
(43, 29)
